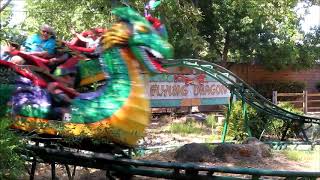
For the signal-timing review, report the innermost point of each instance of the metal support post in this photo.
(53, 170)
(226, 121)
(34, 165)
(245, 117)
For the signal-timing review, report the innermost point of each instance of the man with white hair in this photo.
(42, 44)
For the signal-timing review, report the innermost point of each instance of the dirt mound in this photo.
(194, 153)
(251, 149)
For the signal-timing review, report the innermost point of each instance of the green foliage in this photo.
(211, 121)
(181, 19)
(275, 126)
(12, 165)
(6, 91)
(266, 89)
(258, 121)
(189, 127)
(63, 15)
(302, 156)
(9, 31)
(246, 31)
(250, 31)
(310, 49)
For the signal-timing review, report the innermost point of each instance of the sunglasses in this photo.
(44, 31)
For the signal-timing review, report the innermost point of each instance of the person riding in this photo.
(62, 93)
(88, 42)
(42, 45)
(7, 48)
(62, 55)
(93, 37)
(156, 23)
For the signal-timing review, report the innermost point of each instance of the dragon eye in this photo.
(142, 29)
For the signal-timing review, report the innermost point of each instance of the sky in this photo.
(19, 14)
(310, 20)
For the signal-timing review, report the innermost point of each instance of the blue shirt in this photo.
(34, 43)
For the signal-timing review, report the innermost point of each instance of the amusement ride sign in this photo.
(186, 90)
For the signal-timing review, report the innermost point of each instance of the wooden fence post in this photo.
(305, 102)
(275, 97)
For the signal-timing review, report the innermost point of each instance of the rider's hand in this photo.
(8, 48)
(73, 31)
(52, 61)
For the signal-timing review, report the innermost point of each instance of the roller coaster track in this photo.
(241, 89)
(117, 161)
(123, 167)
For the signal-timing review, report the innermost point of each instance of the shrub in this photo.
(5, 97)
(11, 164)
(258, 122)
(276, 126)
(211, 121)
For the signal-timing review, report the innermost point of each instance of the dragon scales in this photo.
(119, 110)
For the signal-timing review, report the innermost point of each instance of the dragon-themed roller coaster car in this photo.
(119, 110)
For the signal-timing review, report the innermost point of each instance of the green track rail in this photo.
(241, 89)
(124, 168)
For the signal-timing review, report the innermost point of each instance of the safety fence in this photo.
(308, 102)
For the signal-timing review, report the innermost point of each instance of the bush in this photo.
(258, 122)
(5, 97)
(12, 165)
(211, 121)
(266, 89)
(276, 126)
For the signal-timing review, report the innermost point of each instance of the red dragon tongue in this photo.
(158, 66)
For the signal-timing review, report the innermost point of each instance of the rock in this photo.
(263, 150)
(251, 149)
(199, 117)
(251, 140)
(194, 153)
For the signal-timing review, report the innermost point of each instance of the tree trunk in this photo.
(225, 50)
(5, 5)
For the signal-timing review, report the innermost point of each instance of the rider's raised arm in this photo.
(80, 36)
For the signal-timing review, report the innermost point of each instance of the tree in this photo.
(311, 44)
(252, 31)
(63, 15)
(8, 31)
(181, 19)
(248, 31)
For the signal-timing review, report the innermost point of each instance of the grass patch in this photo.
(189, 127)
(302, 156)
(214, 138)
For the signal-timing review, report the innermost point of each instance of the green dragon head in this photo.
(134, 31)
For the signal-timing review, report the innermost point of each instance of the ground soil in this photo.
(157, 135)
